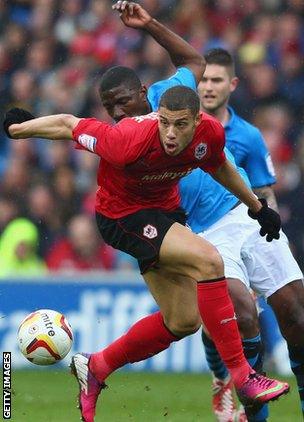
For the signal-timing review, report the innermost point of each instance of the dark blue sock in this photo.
(296, 357)
(215, 363)
(253, 351)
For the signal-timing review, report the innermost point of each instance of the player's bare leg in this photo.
(224, 405)
(182, 252)
(177, 299)
(187, 258)
(149, 336)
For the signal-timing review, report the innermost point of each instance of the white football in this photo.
(45, 337)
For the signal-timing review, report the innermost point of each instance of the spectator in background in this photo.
(16, 179)
(41, 209)
(85, 177)
(56, 155)
(56, 51)
(66, 25)
(18, 250)
(9, 210)
(275, 121)
(23, 89)
(40, 57)
(81, 249)
(66, 196)
(16, 40)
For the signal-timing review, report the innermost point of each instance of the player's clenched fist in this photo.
(132, 14)
(15, 115)
(269, 221)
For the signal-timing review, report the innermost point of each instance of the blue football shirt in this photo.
(183, 76)
(204, 199)
(248, 147)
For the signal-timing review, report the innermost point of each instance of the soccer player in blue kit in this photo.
(271, 271)
(121, 101)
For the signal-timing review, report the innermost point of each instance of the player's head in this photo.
(218, 81)
(122, 93)
(178, 118)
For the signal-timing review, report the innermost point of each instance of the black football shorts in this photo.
(140, 234)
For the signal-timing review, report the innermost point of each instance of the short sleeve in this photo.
(183, 76)
(119, 144)
(217, 156)
(258, 164)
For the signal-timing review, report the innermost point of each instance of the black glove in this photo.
(269, 220)
(15, 115)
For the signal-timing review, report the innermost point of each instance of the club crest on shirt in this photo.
(150, 231)
(200, 151)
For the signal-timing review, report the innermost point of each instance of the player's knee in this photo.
(185, 326)
(213, 266)
(294, 321)
(208, 263)
(248, 324)
(245, 309)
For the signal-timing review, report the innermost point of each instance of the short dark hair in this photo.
(221, 57)
(118, 75)
(180, 98)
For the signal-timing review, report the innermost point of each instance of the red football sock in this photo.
(217, 313)
(145, 338)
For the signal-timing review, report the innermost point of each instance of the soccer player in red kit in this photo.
(137, 211)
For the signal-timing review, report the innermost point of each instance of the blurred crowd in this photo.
(52, 54)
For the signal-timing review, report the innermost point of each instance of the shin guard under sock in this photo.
(217, 313)
(145, 338)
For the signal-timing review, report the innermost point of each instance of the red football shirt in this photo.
(135, 172)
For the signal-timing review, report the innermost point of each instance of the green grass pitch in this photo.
(40, 396)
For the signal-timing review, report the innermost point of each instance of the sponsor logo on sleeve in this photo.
(87, 141)
(200, 151)
(270, 165)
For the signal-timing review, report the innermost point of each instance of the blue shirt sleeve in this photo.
(183, 76)
(259, 166)
(240, 170)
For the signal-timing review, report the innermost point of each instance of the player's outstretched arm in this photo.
(181, 53)
(20, 124)
(228, 176)
(268, 219)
